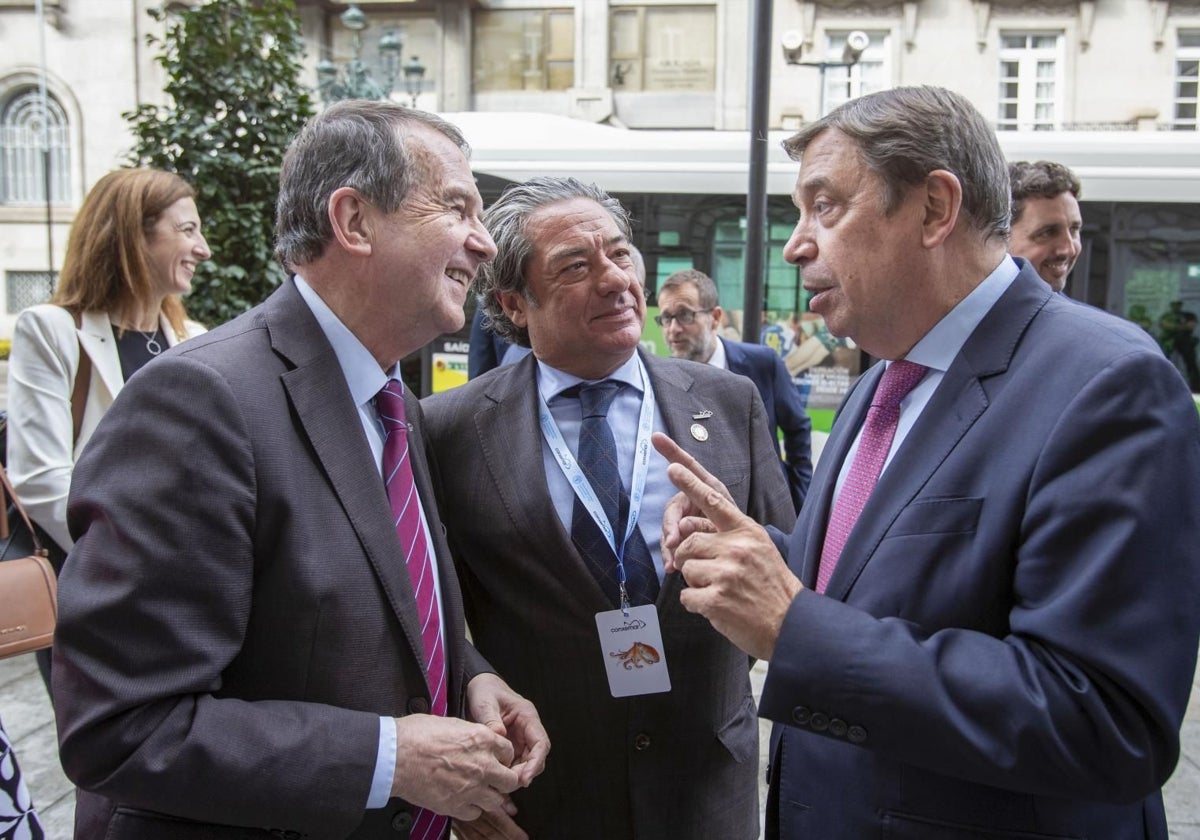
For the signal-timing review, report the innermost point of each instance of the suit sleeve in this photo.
(796, 426)
(154, 605)
(1083, 693)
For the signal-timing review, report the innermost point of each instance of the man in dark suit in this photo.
(541, 578)
(690, 318)
(997, 639)
(251, 641)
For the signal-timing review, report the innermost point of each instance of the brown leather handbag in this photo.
(28, 587)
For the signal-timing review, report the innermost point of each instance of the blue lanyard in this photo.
(583, 488)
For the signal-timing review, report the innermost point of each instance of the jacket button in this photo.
(402, 821)
(837, 728)
(418, 706)
(856, 735)
(820, 721)
(801, 715)
(641, 742)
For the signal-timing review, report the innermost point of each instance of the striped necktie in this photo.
(406, 513)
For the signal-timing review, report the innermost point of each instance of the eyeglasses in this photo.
(685, 317)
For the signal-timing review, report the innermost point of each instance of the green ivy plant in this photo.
(234, 100)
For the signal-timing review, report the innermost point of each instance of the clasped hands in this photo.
(467, 768)
(735, 575)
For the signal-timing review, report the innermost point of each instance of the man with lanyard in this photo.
(553, 502)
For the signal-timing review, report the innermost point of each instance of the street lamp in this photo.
(414, 75)
(856, 43)
(354, 81)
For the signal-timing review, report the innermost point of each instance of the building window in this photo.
(1187, 76)
(1030, 82)
(523, 49)
(27, 132)
(871, 73)
(663, 48)
(27, 288)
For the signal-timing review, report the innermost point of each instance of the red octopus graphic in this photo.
(638, 655)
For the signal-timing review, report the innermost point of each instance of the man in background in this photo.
(260, 630)
(553, 503)
(1045, 218)
(690, 318)
(986, 624)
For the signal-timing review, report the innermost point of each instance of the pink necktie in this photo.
(877, 434)
(406, 511)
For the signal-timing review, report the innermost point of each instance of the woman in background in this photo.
(132, 251)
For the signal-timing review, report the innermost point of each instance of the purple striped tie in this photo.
(878, 432)
(406, 511)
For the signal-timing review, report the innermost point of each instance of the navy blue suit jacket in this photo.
(785, 409)
(1006, 646)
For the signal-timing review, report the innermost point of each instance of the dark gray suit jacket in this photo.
(675, 765)
(237, 613)
(1005, 648)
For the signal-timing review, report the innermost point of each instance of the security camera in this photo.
(856, 42)
(793, 44)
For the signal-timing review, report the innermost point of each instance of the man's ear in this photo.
(515, 306)
(943, 201)
(717, 314)
(351, 219)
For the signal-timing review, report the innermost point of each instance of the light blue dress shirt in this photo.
(623, 418)
(365, 379)
(936, 350)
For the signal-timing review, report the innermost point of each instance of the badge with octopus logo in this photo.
(633, 651)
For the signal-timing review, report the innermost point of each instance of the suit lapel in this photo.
(960, 399)
(511, 441)
(318, 393)
(680, 407)
(96, 338)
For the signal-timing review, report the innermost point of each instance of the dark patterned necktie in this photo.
(598, 460)
(406, 514)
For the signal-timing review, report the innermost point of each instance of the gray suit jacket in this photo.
(675, 765)
(237, 614)
(1005, 648)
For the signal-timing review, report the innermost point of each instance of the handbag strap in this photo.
(38, 549)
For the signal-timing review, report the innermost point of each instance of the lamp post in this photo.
(354, 81)
(414, 76)
(856, 43)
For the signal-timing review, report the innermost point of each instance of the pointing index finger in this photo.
(701, 487)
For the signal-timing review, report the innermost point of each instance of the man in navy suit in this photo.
(690, 317)
(997, 638)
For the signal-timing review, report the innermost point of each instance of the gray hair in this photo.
(706, 289)
(1043, 179)
(507, 221)
(355, 143)
(905, 133)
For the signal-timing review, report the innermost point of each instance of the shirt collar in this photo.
(363, 374)
(552, 381)
(942, 344)
(718, 359)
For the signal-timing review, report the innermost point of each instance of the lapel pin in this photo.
(699, 432)
(702, 415)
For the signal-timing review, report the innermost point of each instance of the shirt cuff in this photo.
(385, 765)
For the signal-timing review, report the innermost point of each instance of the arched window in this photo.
(32, 134)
